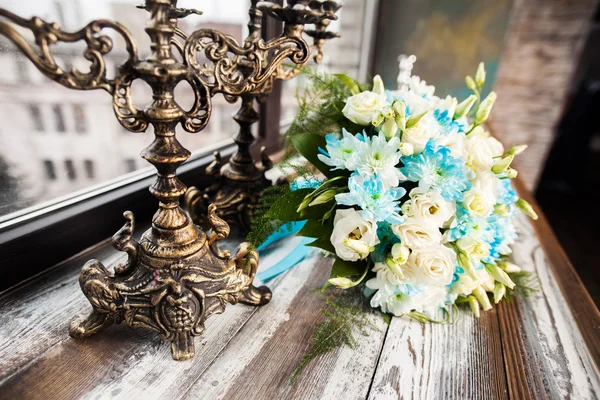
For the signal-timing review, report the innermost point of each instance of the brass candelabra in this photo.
(239, 182)
(176, 276)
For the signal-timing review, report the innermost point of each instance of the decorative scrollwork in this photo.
(46, 34)
(97, 46)
(197, 117)
(236, 69)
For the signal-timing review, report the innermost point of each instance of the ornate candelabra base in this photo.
(169, 288)
(235, 193)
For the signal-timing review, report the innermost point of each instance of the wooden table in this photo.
(546, 346)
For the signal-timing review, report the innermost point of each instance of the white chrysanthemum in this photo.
(353, 238)
(379, 157)
(340, 151)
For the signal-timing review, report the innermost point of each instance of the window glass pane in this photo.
(347, 54)
(55, 141)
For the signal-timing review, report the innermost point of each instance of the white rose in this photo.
(434, 265)
(481, 148)
(429, 207)
(417, 136)
(416, 234)
(364, 107)
(353, 238)
(476, 203)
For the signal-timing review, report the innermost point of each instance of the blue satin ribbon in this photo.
(284, 231)
(293, 258)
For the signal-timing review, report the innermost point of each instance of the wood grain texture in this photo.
(429, 361)
(581, 304)
(260, 359)
(542, 49)
(545, 354)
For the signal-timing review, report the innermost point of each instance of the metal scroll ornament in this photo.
(247, 71)
(176, 276)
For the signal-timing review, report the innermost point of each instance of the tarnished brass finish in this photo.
(176, 276)
(247, 72)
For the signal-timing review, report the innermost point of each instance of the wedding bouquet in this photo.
(406, 190)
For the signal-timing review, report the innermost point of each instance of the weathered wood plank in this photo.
(119, 361)
(34, 316)
(545, 354)
(258, 362)
(428, 361)
(579, 301)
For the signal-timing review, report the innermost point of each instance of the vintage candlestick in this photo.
(176, 276)
(239, 182)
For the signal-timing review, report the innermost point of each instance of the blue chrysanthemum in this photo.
(448, 125)
(436, 169)
(506, 194)
(377, 202)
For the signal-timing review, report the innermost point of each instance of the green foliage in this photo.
(343, 269)
(320, 105)
(526, 284)
(263, 226)
(345, 315)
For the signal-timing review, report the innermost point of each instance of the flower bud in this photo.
(342, 283)
(511, 173)
(394, 266)
(480, 75)
(474, 304)
(508, 267)
(482, 298)
(359, 246)
(388, 112)
(406, 149)
(399, 107)
(378, 119)
(485, 108)
(526, 208)
(502, 164)
(400, 253)
(499, 292)
(464, 107)
(389, 128)
(499, 275)
(515, 150)
(324, 197)
(305, 203)
(501, 209)
(414, 120)
(378, 85)
(465, 263)
(471, 83)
